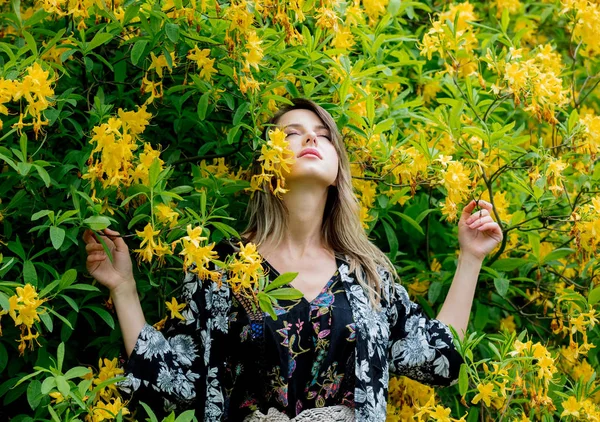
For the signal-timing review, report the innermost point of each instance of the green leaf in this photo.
(60, 356)
(68, 278)
(77, 372)
(97, 222)
(47, 321)
(150, 413)
(63, 386)
(99, 39)
(463, 379)
(383, 126)
(282, 280)
(84, 287)
(59, 316)
(557, 254)
(240, 113)
(391, 238)
(55, 417)
(104, 314)
(4, 358)
(137, 50)
(43, 175)
(48, 385)
(4, 303)
(203, 105)
(410, 221)
(26, 377)
(57, 236)
(594, 296)
(41, 214)
(49, 288)
(34, 394)
(154, 172)
(286, 293)
(266, 306)
(30, 43)
(573, 119)
(502, 285)
(172, 30)
(509, 264)
(434, 291)
(186, 416)
(29, 273)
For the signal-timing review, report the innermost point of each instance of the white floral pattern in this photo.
(184, 367)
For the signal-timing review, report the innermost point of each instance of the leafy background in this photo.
(146, 116)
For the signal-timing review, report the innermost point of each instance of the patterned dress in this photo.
(225, 361)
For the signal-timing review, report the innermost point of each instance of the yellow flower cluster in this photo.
(108, 402)
(150, 246)
(116, 141)
(513, 6)
(203, 62)
(78, 10)
(406, 398)
(23, 309)
(196, 251)
(407, 165)
(586, 227)
(457, 181)
(586, 16)
(245, 271)
(276, 159)
(459, 44)
(35, 88)
(534, 81)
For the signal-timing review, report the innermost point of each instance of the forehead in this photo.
(306, 118)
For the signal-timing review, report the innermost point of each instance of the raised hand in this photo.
(114, 274)
(478, 233)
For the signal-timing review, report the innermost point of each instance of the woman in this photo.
(327, 356)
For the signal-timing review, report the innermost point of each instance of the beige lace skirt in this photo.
(322, 414)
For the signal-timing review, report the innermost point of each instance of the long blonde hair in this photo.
(342, 229)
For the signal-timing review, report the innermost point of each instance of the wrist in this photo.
(470, 258)
(126, 289)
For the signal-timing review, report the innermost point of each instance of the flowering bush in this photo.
(146, 116)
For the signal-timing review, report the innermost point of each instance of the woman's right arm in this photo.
(117, 276)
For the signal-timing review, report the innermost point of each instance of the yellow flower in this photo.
(255, 53)
(56, 397)
(486, 393)
(571, 407)
(174, 308)
(166, 214)
(441, 414)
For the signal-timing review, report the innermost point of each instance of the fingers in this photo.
(492, 227)
(120, 244)
(88, 237)
(478, 222)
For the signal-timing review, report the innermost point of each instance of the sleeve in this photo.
(420, 348)
(180, 368)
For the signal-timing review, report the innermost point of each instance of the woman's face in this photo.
(312, 144)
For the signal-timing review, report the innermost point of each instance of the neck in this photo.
(305, 206)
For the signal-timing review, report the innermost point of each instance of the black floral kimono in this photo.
(226, 361)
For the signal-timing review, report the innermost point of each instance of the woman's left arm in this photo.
(478, 235)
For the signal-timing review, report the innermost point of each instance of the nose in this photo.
(311, 137)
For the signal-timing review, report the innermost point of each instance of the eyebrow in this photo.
(299, 126)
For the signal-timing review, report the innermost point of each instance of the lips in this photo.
(311, 151)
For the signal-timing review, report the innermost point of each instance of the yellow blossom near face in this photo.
(174, 308)
(276, 160)
(441, 414)
(486, 393)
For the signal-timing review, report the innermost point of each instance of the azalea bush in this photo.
(147, 116)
